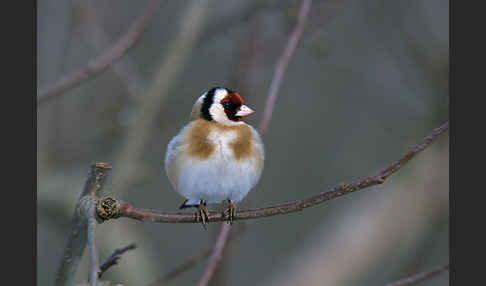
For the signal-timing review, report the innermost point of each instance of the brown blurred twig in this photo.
(113, 258)
(109, 208)
(83, 227)
(231, 21)
(282, 63)
(216, 255)
(95, 35)
(101, 62)
(187, 264)
(420, 276)
(182, 268)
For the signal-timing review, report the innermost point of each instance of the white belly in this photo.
(216, 179)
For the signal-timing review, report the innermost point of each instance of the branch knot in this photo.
(108, 208)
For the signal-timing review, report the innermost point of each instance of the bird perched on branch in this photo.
(216, 157)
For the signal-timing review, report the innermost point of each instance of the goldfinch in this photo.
(216, 157)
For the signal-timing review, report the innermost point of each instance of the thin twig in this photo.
(228, 22)
(81, 226)
(109, 208)
(113, 258)
(420, 276)
(216, 255)
(95, 35)
(101, 62)
(187, 264)
(282, 63)
(182, 268)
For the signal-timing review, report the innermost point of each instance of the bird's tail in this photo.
(189, 204)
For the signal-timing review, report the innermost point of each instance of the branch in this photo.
(100, 63)
(93, 255)
(216, 255)
(94, 35)
(282, 63)
(184, 266)
(229, 22)
(420, 276)
(82, 230)
(113, 258)
(110, 208)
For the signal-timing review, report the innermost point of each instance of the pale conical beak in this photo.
(244, 111)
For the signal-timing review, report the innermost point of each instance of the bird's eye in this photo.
(227, 105)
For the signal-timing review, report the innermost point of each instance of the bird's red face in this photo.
(234, 107)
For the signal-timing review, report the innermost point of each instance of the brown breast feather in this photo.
(200, 147)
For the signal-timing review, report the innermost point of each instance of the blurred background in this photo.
(368, 80)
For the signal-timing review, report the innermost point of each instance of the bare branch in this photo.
(231, 21)
(93, 255)
(182, 268)
(101, 62)
(186, 265)
(95, 36)
(420, 276)
(113, 258)
(282, 63)
(81, 227)
(216, 255)
(109, 208)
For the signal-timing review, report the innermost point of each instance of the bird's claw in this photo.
(202, 215)
(229, 213)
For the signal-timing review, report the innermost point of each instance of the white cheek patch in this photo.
(218, 114)
(219, 94)
(217, 110)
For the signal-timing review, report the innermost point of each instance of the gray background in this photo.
(367, 81)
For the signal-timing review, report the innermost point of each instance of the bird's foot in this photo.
(229, 213)
(202, 214)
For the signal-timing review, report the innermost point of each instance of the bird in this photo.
(216, 157)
